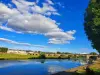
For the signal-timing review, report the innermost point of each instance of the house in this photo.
(35, 53)
(22, 52)
(52, 55)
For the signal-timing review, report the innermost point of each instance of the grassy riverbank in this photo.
(5, 56)
(95, 68)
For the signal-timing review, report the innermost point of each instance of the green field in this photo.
(5, 56)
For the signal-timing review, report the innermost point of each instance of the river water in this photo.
(37, 66)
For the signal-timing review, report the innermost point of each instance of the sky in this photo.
(44, 25)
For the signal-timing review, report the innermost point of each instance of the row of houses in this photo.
(23, 52)
(35, 53)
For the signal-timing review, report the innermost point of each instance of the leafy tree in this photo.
(58, 52)
(67, 53)
(42, 55)
(93, 53)
(3, 49)
(92, 23)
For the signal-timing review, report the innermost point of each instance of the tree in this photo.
(93, 53)
(92, 23)
(42, 55)
(3, 49)
(58, 52)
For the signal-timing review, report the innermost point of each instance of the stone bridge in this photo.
(86, 55)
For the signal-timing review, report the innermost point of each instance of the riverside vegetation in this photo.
(5, 56)
(40, 55)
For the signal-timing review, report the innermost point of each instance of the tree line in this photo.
(3, 49)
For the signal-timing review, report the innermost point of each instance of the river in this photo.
(37, 66)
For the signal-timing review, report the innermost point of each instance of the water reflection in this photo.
(37, 66)
(55, 68)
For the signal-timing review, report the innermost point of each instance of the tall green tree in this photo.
(92, 23)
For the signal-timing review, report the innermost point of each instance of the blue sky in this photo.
(45, 25)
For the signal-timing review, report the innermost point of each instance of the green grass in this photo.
(6, 56)
(94, 67)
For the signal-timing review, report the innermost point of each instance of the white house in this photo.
(22, 52)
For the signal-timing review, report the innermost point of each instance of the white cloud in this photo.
(23, 6)
(20, 43)
(57, 41)
(28, 17)
(6, 28)
(13, 42)
(61, 5)
(50, 2)
(4, 9)
(60, 37)
(33, 23)
(45, 9)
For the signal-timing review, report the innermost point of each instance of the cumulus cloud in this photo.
(19, 43)
(60, 37)
(29, 17)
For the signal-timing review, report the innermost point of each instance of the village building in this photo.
(52, 54)
(35, 53)
(22, 52)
